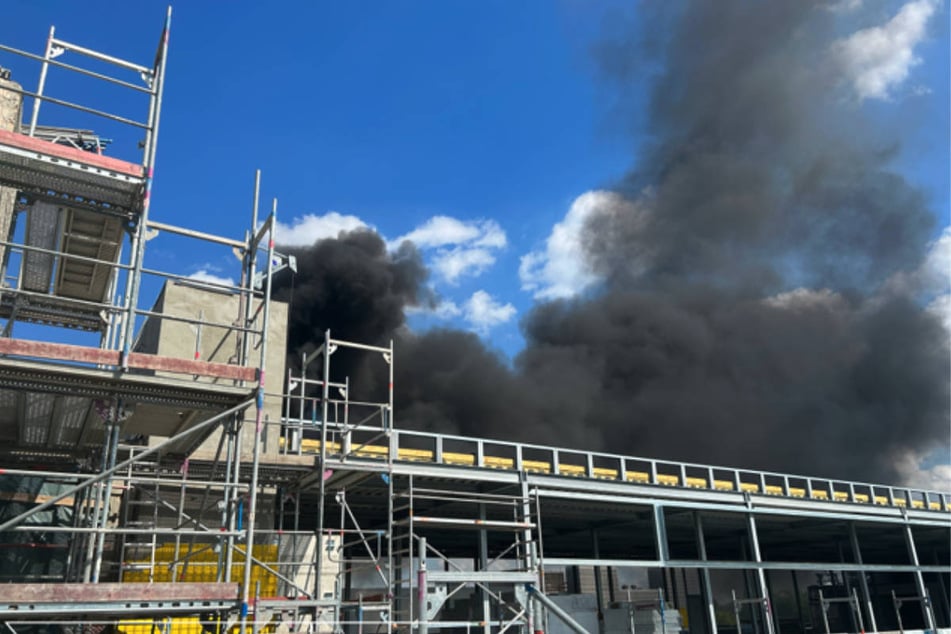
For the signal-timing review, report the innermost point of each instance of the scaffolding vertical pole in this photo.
(247, 275)
(179, 520)
(760, 573)
(389, 423)
(226, 545)
(483, 564)
(421, 590)
(93, 514)
(705, 573)
(926, 610)
(139, 237)
(324, 395)
(863, 582)
(107, 491)
(391, 589)
(258, 423)
(42, 83)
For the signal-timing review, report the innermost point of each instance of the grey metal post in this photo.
(705, 574)
(761, 574)
(179, 521)
(141, 229)
(896, 603)
(663, 609)
(483, 564)
(93, 514)
(660, 534)
(231, 496)
(926, 610)
(795, 583)
(863, 582)
(598, 586)
(258, 424)
(323, 465)
(391, 589)
(421, 590)
(736, 612)
(42, 83)
(858, 610)
(107, 492)
(825, 611)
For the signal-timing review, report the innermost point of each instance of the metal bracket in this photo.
(435, 598)
(56, 51)
(387, 358)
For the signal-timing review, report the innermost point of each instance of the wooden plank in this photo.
(58, 351)
(83, 354)
(35, 593)
(190, 366)
(42, 146)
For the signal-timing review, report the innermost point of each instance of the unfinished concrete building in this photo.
(162, 471)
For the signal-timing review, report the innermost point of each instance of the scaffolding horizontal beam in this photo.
(452, 522)
(481, 576)
(139, 360)
(39, 593)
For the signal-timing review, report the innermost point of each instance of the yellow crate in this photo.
(202, 567)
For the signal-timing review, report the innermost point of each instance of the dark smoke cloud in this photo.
(759, 180)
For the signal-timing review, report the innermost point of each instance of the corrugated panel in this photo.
(8, 398)
(42, 224)
(37, 411)
(68, 426)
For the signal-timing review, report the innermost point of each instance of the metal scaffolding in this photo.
(138, 491)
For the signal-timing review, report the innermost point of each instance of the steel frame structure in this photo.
(352, 522)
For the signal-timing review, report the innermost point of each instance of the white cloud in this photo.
(482, 312)
(440, 231)
(913, 473)
(452, 264)
(446, 309)
(203, 275)
(930, 282)
(807, 299)
(305, 230)
(561, 269)
(878, 59)
(458, 248)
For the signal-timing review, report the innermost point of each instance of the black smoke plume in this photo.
(749, 314)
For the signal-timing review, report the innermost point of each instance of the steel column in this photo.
(926, 609)
(863, 582)
(761, 574)
(705, 574)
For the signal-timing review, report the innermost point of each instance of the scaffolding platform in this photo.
(54, 407)
(30, 600)
(60, 173)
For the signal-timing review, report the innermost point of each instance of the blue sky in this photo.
(473, 127)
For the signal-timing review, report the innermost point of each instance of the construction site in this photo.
(164, 469)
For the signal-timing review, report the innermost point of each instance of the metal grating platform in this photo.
(58, 172)
(51, 311)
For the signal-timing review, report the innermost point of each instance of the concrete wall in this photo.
(11, 105)
(220, 343)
